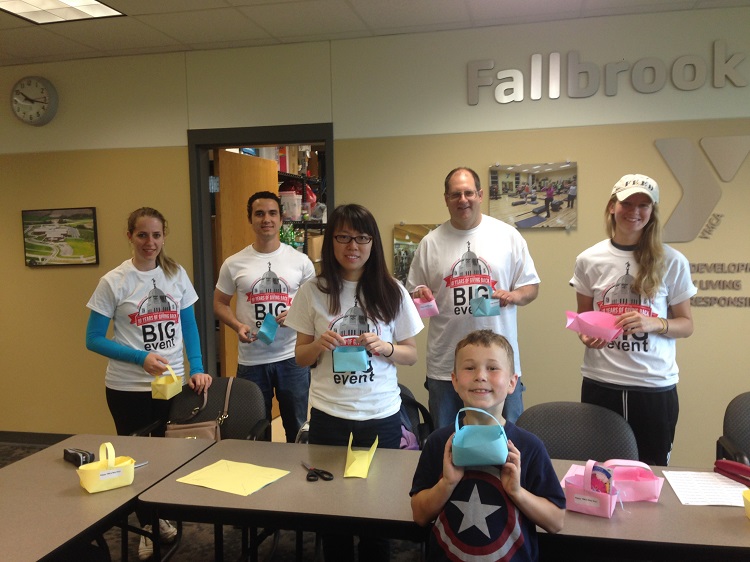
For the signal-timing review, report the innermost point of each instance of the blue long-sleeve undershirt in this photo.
(97, 341)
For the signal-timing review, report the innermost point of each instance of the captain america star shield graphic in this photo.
(479, 523)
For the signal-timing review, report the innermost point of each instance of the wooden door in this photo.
(240, 176)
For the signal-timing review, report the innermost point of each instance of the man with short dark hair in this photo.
(471, 255)
(265, 276)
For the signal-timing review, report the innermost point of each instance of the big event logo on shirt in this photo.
(350, 325)
(620, 298)
(157, 317)
(470, 277)
(269, 295)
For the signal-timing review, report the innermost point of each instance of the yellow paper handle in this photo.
(107, 452)
(171, 372)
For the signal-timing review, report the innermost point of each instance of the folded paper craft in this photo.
(425, 307)
(484, 306)
(349, 358)
(267, 332)
(479, 445)
(167, 386)
(108, 473)
(233, 477)
(358, 462)
(580, 497)
(594, 323)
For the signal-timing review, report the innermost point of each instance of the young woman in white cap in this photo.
(647, 286)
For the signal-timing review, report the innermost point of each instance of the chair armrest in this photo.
(726, 449)
(261, 431)
(149, 429)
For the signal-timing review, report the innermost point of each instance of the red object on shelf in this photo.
(296, 186)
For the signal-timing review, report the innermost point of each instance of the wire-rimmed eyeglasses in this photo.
(456, 195)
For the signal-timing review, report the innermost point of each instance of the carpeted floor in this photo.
(198, 539)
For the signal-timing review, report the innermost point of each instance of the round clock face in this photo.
(34, 100)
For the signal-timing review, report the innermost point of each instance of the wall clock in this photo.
(34, 100)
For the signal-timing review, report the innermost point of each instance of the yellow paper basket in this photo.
(108, 473)
(164, 387)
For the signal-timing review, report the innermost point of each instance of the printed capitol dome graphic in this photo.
(268, 283)
(469, 264)
(621, 293)
(156, 307)
(156, 301)
(470, 270)
(269, 288)
(353, 323)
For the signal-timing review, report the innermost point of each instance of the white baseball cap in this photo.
(630, 184)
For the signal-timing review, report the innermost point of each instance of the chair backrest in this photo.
(420, 420)
(734, 444)
(578, 431)
(246, 413)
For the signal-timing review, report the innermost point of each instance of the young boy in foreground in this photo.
(488, 512)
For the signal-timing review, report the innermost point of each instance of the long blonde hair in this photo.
(168, 265)
(648, 253)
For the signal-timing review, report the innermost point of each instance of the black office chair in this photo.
(734, 444)
(417, 415)
(246, 415)
(578, 431)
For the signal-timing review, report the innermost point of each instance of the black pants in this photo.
(329, 430)
(132, 411)
(651, 415)
(547, 203)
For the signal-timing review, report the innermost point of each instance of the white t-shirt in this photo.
(364, 395)
(459, 265)
(606, 274)
(145, 309)
(265, 284)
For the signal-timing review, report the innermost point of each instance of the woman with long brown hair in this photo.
(647, 286)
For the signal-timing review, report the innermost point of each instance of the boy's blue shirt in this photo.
(479, 520)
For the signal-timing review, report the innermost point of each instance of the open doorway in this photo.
(201, 145)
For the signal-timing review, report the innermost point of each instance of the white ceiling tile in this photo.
(208, 26)
(297, 19)
(154, 26)
(398, 14)
(115, 33)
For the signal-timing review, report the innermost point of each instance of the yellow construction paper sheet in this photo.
(358, 462)
(234, 477)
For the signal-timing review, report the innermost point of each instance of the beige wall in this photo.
(51, 382)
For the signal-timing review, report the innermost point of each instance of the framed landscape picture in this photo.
(60, 236)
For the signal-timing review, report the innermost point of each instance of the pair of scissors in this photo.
(314, 473)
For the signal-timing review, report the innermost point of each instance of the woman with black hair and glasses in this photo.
(354, 302)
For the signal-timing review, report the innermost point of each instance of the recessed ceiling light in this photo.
(55, 11)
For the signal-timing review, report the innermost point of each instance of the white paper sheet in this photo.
(705, 488)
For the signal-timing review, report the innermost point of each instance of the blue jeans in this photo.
(444, 403)
(292, 385)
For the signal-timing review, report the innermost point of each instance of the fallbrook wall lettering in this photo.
(584, 79)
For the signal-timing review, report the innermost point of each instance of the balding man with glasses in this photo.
(471, 255)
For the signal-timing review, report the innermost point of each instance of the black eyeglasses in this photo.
(345, 239)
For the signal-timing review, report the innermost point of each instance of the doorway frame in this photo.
(200, 143)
